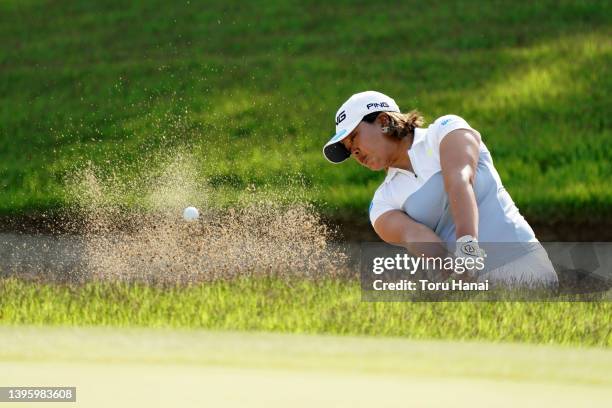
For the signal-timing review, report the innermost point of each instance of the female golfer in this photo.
(441, 187)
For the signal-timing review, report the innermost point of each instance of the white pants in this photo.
(532, 269)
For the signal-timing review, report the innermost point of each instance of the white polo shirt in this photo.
(421, 194)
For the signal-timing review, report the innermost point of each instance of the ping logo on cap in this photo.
(377, 105)
(340, 117)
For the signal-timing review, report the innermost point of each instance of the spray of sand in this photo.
(262, 234)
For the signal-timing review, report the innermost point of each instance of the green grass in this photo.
(300, 306)
(193, 368)
(252, 90)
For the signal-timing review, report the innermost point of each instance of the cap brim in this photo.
(334, 151)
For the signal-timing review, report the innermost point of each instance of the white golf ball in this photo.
(191, 214)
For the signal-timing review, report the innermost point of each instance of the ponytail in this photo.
(400, 124)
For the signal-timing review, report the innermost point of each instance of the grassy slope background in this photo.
(115, 82)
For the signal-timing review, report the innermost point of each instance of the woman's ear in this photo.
(384, 119)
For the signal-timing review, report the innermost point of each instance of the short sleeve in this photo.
(379, 206)
(446, 124)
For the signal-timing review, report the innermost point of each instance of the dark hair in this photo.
(400, 124)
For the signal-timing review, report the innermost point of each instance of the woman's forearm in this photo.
(459, 153)
(396, 227)
(463, 206)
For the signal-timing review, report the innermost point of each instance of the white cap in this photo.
(348, 117)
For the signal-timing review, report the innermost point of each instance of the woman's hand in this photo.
(459, 153)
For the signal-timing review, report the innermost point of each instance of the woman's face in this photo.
(369, 145)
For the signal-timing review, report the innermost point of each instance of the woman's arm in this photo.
(397, 228)
(459, 153)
